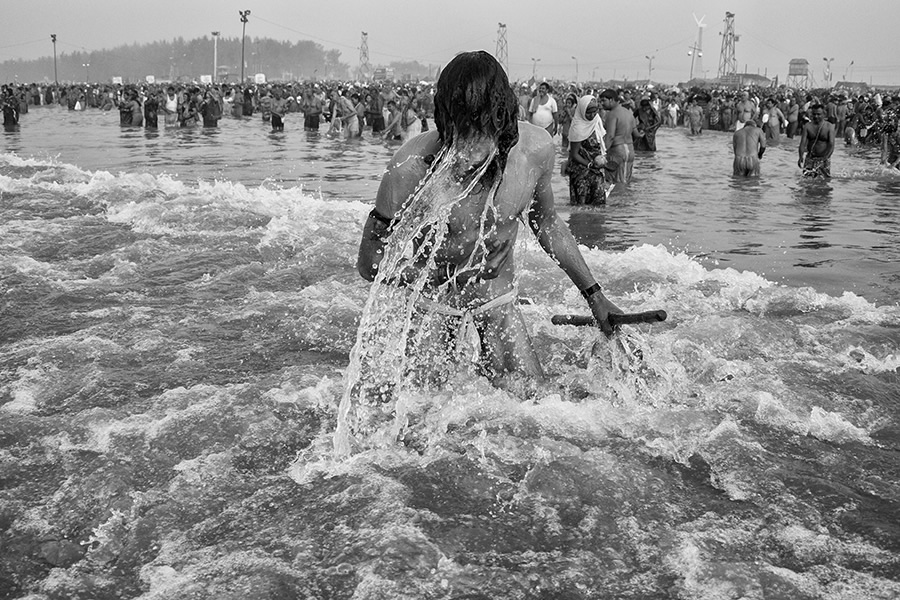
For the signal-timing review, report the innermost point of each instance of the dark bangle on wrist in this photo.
(590, 291)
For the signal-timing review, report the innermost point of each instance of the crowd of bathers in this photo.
(395, 111)
(858, 117)
(398, 111)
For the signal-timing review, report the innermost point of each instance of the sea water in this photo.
(177, 316)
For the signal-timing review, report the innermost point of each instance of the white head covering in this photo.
(582, 128)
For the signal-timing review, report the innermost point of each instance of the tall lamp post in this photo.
(215, 76)
(848, 70)
(649, 66)
(244, 14)
(695, 52)
(828, 62)
(534, 62)
(53, 39)
(576, 69)
(87, 72)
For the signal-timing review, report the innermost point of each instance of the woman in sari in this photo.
(648, 122)
(587, 155)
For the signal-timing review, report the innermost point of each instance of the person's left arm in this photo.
(557, 241)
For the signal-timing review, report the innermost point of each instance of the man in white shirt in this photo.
(543, 110)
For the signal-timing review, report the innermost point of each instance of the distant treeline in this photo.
(187, 60)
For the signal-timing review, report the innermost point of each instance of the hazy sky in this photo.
(607, 39)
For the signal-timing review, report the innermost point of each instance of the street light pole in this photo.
(828, 62)
(53, 39)
(576, 69)
(695, 51)
(87, 72)
(534, 62)
(215, 56)
(244, 14)
(649, 66)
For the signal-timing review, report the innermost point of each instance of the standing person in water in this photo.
(648, 121)
(565, 119)
(210, 108)
(817, 144)
(773, 120)
(170, 106)
(890, 140)
(587, 155)
(543, 111)
(464, 271)
(620, 125)
(749, 145)
(278, 110)
(151, 110)
(10, 110)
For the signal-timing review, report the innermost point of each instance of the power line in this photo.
(22, 43)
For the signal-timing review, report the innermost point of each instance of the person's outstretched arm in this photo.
(557, 241)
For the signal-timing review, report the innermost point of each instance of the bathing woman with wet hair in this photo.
(439, 242)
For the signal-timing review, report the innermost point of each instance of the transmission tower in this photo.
(502, 53)
(727, 61)
(365, 71)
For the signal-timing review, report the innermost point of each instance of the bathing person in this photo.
(817, 143)
(502, 168)
(620, 126)
(749, 146)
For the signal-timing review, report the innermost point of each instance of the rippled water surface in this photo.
(177, 309)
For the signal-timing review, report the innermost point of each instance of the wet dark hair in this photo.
(473, 96)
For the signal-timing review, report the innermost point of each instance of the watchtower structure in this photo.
(798, 73)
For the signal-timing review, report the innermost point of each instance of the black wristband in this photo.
(381, 218)
(590, 291)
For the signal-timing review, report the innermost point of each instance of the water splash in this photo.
(383, 356)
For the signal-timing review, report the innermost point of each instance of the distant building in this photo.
(383, 74)
(733, 81)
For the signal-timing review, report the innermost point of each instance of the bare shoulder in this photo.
(535, 145)
(409, 156)
(404, 172)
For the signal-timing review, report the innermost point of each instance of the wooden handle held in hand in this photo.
(615, 319)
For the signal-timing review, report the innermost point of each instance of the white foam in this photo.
(772, 412)
(832, 427)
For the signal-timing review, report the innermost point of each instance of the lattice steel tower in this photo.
(502, 54)
(727, 61)
(365, 70)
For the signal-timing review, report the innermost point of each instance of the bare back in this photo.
(747, 141)
(529, 167)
